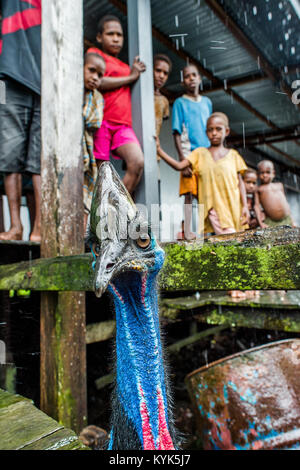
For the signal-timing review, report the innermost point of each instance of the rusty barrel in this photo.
(250, 400)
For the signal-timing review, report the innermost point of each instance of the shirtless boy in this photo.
(272, 197)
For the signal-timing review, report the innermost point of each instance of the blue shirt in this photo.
(189, 120)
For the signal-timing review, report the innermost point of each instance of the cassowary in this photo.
(127, 261)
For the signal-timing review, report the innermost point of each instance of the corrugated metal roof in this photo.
(271, 25)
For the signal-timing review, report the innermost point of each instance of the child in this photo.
(190, 114)
(272, 197)
(218, 170)
(256, 214)
(20, 138)
(221, 187)
(162, 67)
(94, 68)
(116, 134)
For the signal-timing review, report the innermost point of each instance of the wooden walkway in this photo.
(25, 427)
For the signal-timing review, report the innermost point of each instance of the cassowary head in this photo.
(119, 235)
(127, 260)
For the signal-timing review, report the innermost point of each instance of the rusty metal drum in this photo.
(251, 400)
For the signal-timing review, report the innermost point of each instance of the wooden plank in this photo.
(63, 378)
(262, 259)
(63, 439)
(7, 399)
(21, 424)
(24, 427)
(266, 299)
(102, 331)
(268, 319)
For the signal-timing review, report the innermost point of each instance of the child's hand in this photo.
(187, 172)
(137, 68)
(245, 217)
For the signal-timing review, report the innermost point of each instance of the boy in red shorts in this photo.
(116, 134)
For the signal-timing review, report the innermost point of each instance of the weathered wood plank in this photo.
(63, 360)
(25, 427)
(7, 399)
(268, 319)
(22, 424)
(100, 331)
(289, 300)
(63, 439)
(255, 260)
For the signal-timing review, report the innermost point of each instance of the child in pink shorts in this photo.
(116, 134)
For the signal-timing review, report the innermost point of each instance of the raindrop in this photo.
(182, 41)
(280, 5)
(244, 139)
(177, 44)
(198, 19)
(199, 55)
(270, 15)
(225, 84)
(258, 62)
(286, 36)
(284, 22)
(246, 19)
(289, 17)
(176, 21)
(181, 75)
(254, 10)
(293, 50)
(280, 47)
(204, 63)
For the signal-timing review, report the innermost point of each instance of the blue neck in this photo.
(141, 382)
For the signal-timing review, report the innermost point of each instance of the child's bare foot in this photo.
(12, 234)
(190, 236)
(35, 237)
(248, 294)
(252, 293)
(237, 294)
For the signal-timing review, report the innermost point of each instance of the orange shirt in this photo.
(117, 107)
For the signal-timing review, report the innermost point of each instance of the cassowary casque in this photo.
(128, 260)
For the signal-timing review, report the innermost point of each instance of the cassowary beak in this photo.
(113, 215)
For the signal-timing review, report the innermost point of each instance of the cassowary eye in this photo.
(96, 249)
(143, 241)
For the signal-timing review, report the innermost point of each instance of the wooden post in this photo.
(63, 355)
(140, 43)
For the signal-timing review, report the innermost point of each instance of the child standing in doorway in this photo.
(190, 114)
(94, 68)
(218, 170)
(162, 67)
(116, 134)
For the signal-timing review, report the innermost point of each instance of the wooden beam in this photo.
(261, 259)
(248, 45)
(142, 96)
(63, 356)
(96, 332)
(290, 133)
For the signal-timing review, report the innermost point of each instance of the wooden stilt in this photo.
(63, 356)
